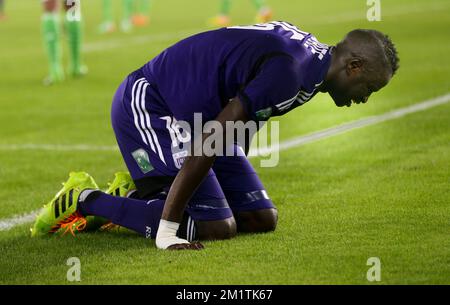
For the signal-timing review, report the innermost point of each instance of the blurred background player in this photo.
(51, 33)
(264, 13)
(2, 9)
(140, 14)
(134, 13)
(107, 25)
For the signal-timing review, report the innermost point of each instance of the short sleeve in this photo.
(276, 85)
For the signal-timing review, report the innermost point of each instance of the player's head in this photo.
(363, 63)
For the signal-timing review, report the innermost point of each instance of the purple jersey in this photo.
(272, 68)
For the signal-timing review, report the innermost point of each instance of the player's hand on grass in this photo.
(167, 239)
(190, 246)
(175, 243)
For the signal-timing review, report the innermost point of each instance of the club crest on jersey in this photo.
(142, 160)
(179, 157)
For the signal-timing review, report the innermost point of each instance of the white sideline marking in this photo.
(335, 130)
(9, 223)
(123, 43)
(298, 141)
(58, 147)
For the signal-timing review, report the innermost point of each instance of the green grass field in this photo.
(379, 191)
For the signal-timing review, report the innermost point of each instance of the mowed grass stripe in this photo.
(352, 16)
(294, 142)
(378, 191)
(14, 221)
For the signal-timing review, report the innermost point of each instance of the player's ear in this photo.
(354, 66)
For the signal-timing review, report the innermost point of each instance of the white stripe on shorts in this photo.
(148, 125)
(190, 232)
(135, 116)
(141, 115)
(188, 229)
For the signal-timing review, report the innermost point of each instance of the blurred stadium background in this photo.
(379, 191)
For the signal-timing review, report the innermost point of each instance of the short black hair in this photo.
(391, 53)
(367, 39)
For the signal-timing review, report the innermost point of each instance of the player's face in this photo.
(356, 85)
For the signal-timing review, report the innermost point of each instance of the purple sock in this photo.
(141, 216)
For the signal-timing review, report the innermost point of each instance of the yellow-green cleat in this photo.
(122, 186)
(60, 214)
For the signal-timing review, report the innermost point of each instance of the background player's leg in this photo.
(264, 13)
(141, 14)
(74, 32)
(107, 25)
(225, 7)
(259, 4)
(127, 11)
(2, 9)
(223, 18)
(251, 206)
(51, 35)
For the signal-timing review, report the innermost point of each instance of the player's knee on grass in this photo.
(216, 229)
(264, 220)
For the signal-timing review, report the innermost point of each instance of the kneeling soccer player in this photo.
(232, 74)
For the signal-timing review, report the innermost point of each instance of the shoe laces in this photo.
(68, 224)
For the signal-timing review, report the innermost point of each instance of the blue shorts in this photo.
(145, 133)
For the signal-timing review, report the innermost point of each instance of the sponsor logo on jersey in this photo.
(142, 160)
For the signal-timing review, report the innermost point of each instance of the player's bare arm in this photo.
(186, 182)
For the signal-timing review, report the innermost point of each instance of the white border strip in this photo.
(9, 223)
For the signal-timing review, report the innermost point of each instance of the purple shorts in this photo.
(146, 135)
